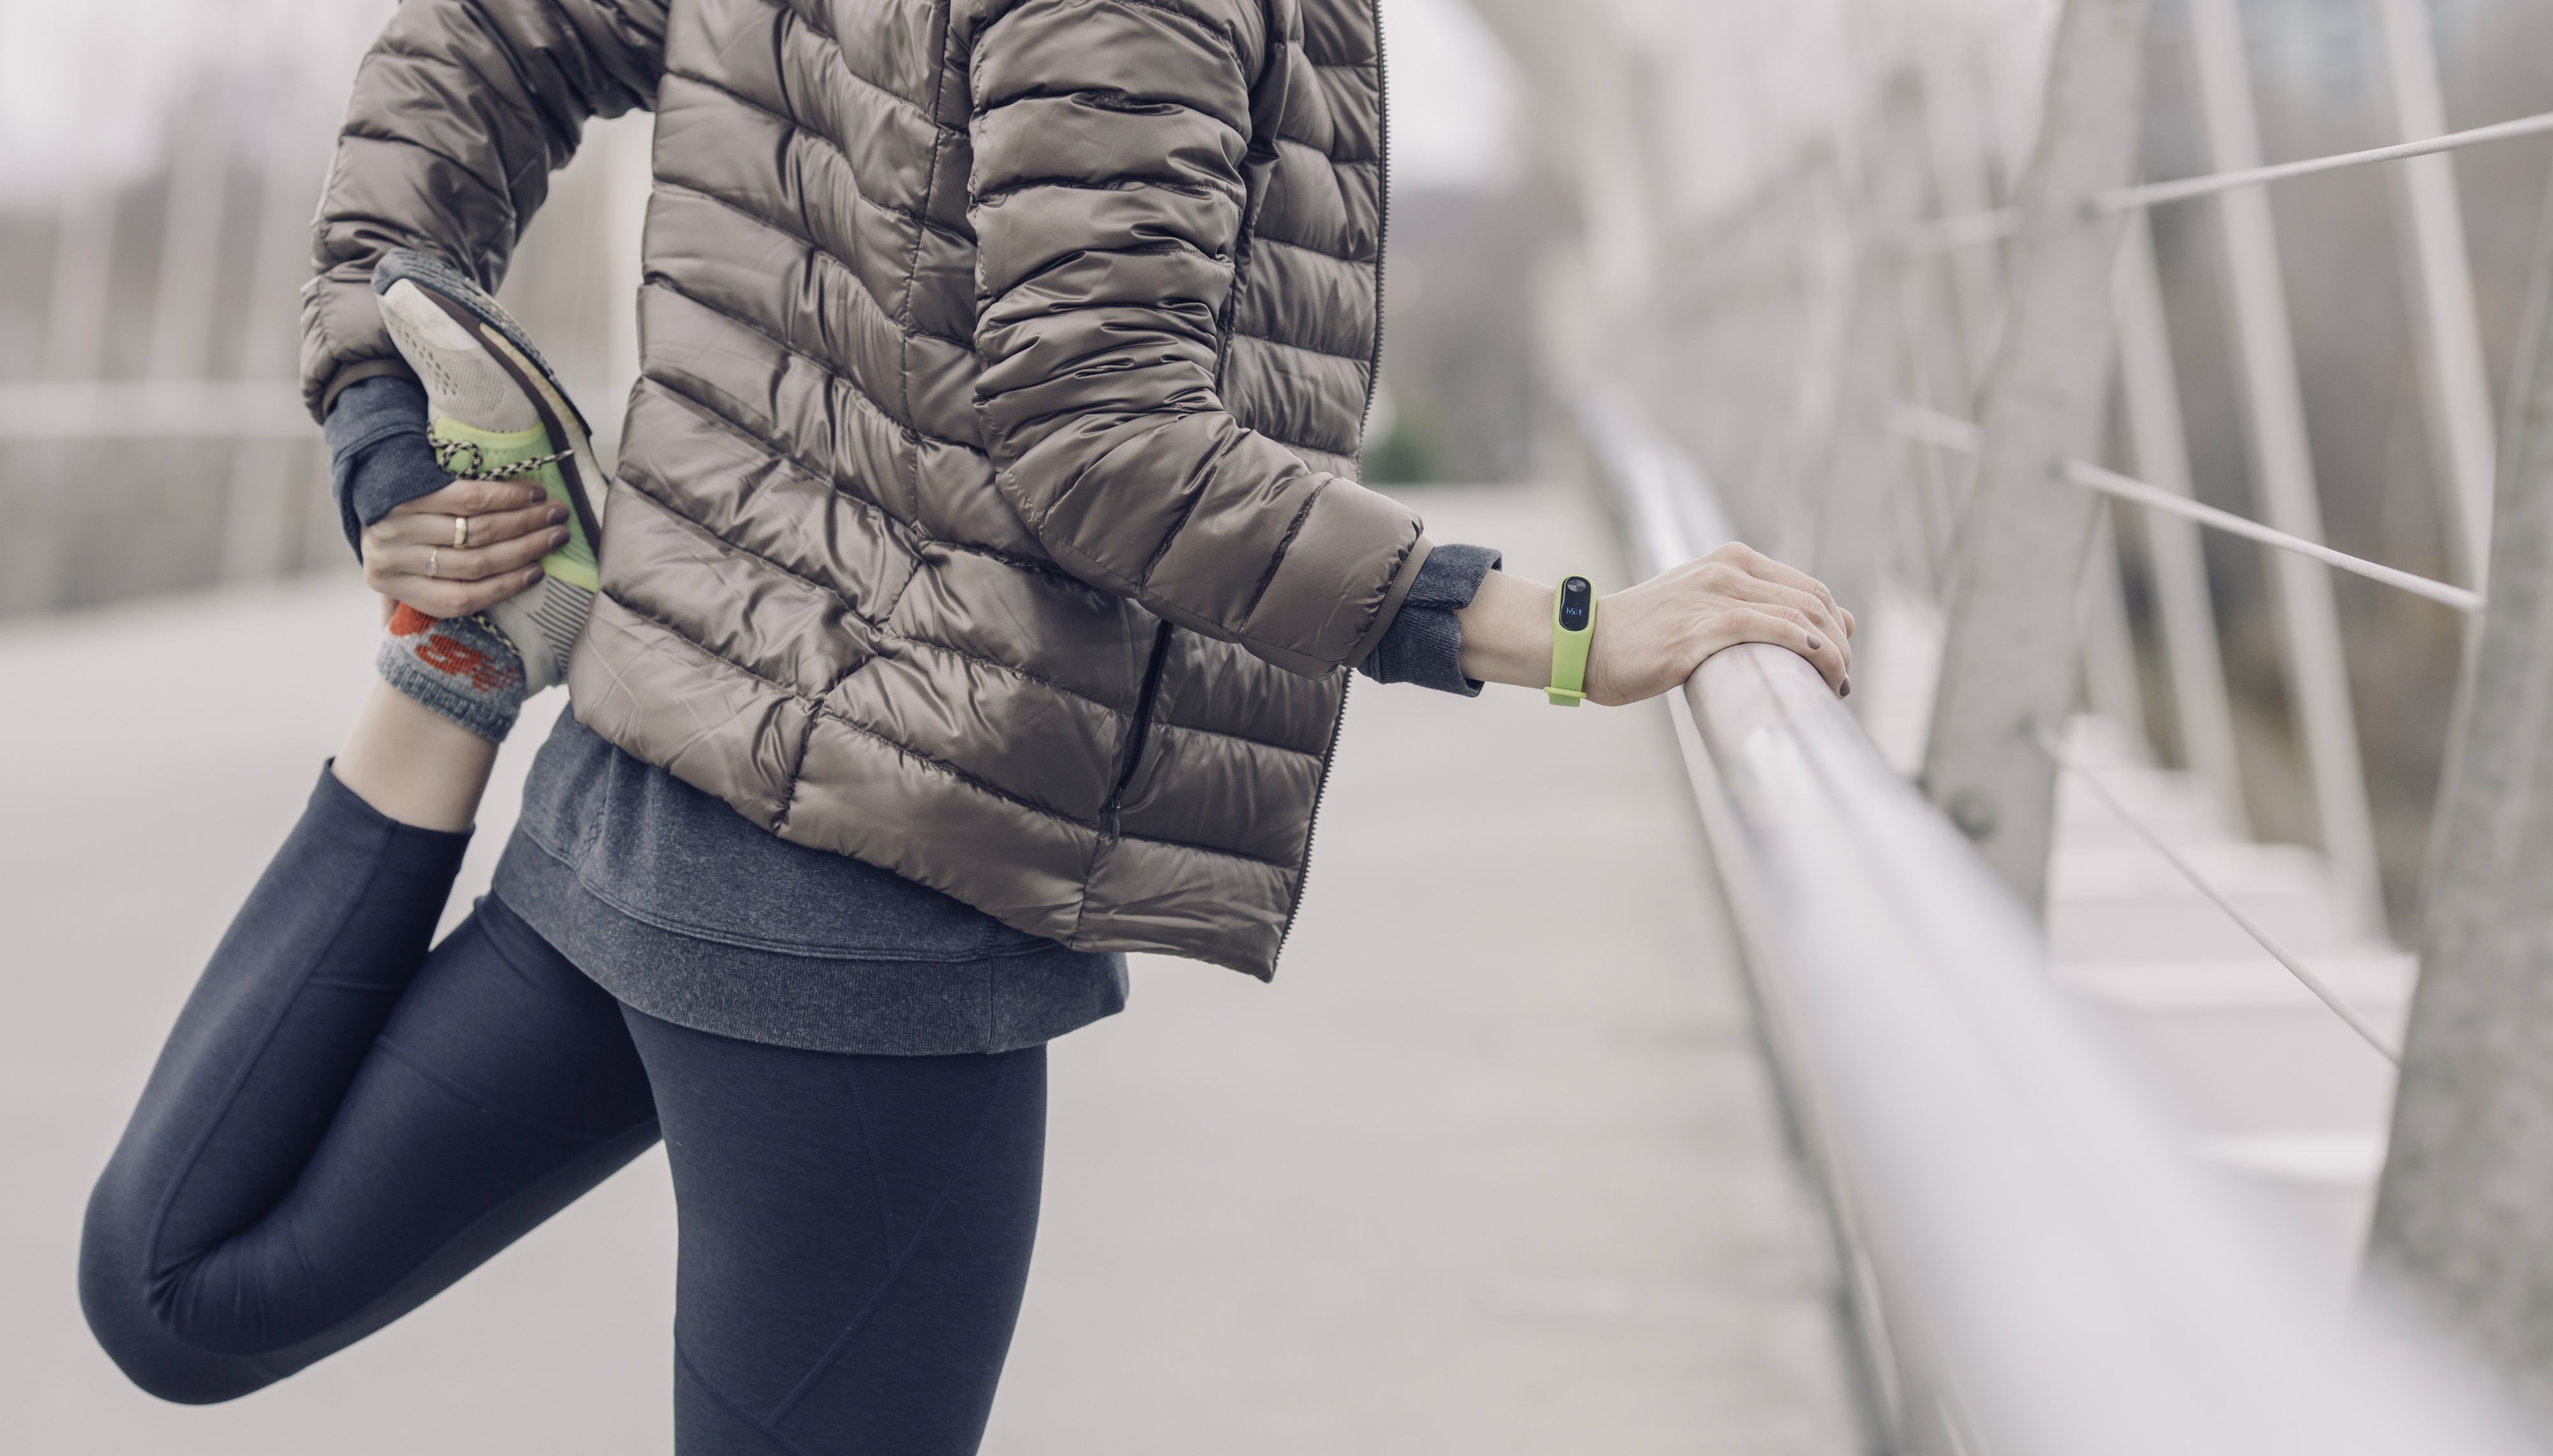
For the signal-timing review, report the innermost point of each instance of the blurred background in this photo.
(158, 168)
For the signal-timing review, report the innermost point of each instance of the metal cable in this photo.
(1969, 228)
(2126, 199)
(1931, 427)
(2111, 482)
(2047, 744)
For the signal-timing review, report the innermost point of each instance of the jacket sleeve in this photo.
(1118, 147)
(461, 111)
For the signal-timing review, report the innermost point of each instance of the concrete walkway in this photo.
(1492, 1168)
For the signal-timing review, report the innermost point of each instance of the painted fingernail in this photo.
(1814, 644)
(533, 576)
(557, 513)
(558, 537)
(1846, 689)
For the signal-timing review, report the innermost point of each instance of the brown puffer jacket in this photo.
(986, 505)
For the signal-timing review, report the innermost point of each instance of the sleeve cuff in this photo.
(379, 456)
(356, 373)
(1424, 642)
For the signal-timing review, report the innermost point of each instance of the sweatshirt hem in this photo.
(875, 1008)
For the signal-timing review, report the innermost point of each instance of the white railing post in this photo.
(2461, 1216)
(2281, 459)
(2110, 685)
(2149, 387)
(1962, 186)
(1854, 499)
(2008, 667)
(2456, 386)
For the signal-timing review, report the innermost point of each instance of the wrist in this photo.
(1506, 632)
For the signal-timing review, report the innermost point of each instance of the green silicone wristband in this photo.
(1573, 628)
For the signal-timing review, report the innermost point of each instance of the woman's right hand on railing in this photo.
(1651, 637)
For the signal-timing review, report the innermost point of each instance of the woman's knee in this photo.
(136, 1328)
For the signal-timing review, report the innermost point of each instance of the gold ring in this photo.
(433, 554)
(459, 531)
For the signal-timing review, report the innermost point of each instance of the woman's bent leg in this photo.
(856, 1240)
(340, 1124)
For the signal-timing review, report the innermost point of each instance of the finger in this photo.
(1818, 614)
(1826, 614)
(420, 528)
(441, 598)
(506, 525)
(509, 556)
(472, 562)
(1757, 564)
(1784, 628)
(470, 498)
(1822, 614)
(1798, 581)
(1736, 560)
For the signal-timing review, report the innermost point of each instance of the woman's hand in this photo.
(1650, 638)
(409, 554)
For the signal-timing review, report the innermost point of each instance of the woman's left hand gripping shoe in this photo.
(496, 411)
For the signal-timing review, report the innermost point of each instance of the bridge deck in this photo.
(1490, 1168)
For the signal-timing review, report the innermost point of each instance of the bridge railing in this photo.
(2032, 1262)
(1911, 398)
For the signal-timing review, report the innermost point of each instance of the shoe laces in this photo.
(464, 459)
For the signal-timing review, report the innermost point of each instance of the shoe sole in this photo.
(507, 342)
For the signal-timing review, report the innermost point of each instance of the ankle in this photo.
(413, 763)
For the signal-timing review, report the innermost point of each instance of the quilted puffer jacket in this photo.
(986, 505)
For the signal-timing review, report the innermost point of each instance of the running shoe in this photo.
(496, 412)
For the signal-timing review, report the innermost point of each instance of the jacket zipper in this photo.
(1381, 216)
(1143, 720)
(1372, 381)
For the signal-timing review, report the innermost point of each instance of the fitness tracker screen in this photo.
(1577, 600)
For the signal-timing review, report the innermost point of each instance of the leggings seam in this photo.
(248, 1064)
(869, 1137)
(484, 1103)
(361, 1312)
(683, 1357)
(904, 1258)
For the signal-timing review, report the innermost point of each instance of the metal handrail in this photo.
(2034, 1263)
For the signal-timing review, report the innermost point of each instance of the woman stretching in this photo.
(984, 570)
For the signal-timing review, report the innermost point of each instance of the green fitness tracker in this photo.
(1573, 627)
